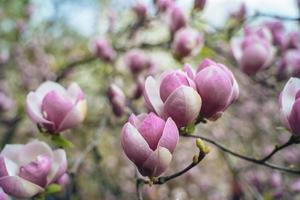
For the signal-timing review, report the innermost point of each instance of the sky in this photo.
(82, 16)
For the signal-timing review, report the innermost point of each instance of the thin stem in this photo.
(250, 159)
(65, 70)
(139, 184)
(163, 179)
(260, 14)
(278, 148)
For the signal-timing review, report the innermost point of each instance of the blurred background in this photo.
(53, 40)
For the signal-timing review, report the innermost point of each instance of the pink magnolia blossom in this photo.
(140, 9)
(289, 102)
(164, 5)
(217, 87)
(177, 18)
(199, 4)
(103, 50)
(175, 96)
(55, 108)
(289, 64)
(137, 61)
(254, 51)
(117, 99)
(26, 170)
(187, 42)
(149, 141)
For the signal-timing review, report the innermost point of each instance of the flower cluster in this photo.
(177, 99)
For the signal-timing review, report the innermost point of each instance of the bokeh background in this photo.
(40, 39)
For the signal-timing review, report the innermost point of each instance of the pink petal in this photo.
(151, 129)
(32, 150)
(59, 165)
(288, 96)
(37, 170)
(3, 195)
(189, 71)
(7, 167)
(55, 107)
(33, 109)
(12, 151)
(74, 117)
(152, 97)
(75, 92)
(18, 187)
(157, 163)
(294, 118)
(170, 136)
(137, 120)
(47, 87)
(170, 83)
(215, 89)
(134, 145)
(183, 106)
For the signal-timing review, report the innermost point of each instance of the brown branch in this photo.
(65, 70)
(249, 159)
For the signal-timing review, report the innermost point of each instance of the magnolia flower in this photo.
(254, 52)
(149, 141)
(163, 5)
(199, 4)
(177, 18)
(217, 87)
(117, 99)
(140, 10)
(55, 108)
(277, 31)
(289, 64)
(187, 42)
(6, 103)
(26, 170)
(289, 102)
(175, 96)
(103, 50)
(137, 61)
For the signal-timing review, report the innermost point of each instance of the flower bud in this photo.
(175, 96)
(6, 103)
(217, 87)
(187, 42)
(163, 5)
(140, 9)
(103, 50)
(289, 102)
(149, 141)
(199, 4)
(277, 30)
(177, 19)
(289, 64)
(26, 170)
(117, 99)
(64, 180)
(241, 13)
(55, 108)
(137, 61)
(139, 88)
(254, 52)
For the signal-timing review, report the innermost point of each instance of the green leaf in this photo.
(61, 142)
(53, 188)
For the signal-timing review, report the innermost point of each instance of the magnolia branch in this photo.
(163, 179)
(262, 161)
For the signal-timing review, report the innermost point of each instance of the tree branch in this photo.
(65, 70)
(249, 159)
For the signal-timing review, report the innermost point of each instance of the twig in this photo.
(65, 70)
(280, 17)
(250, 159)
(12, 126)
